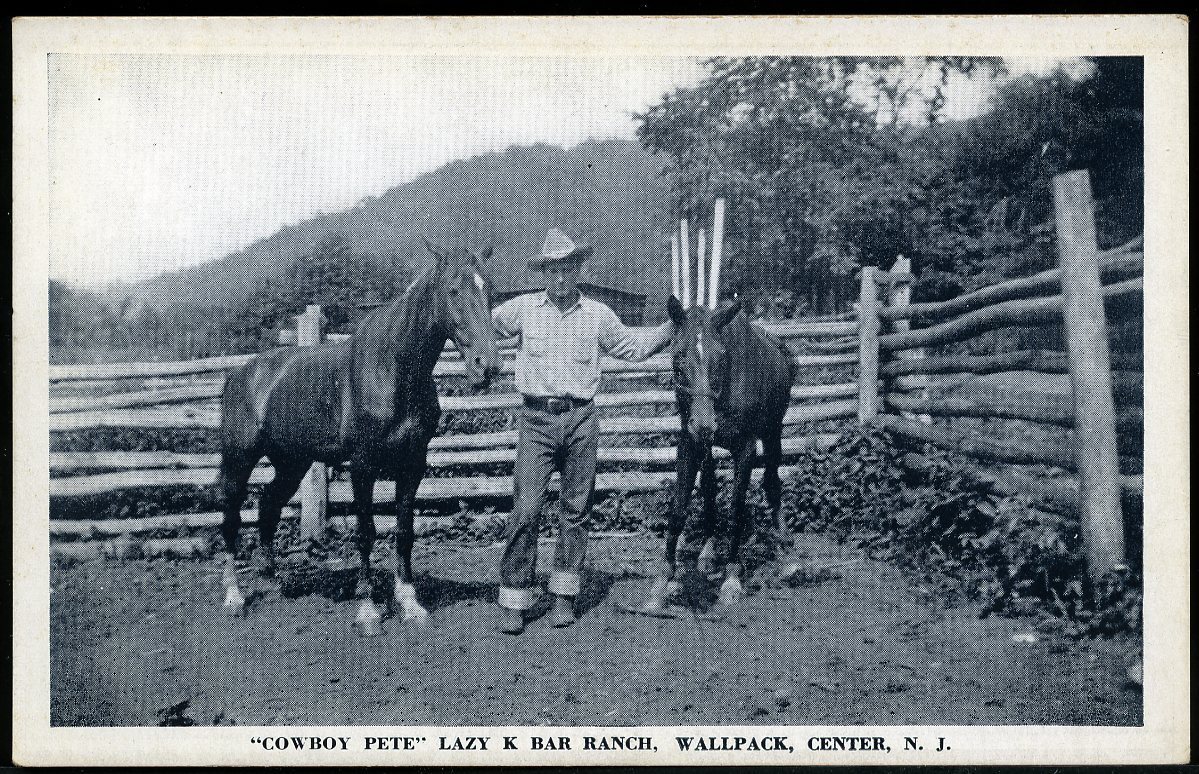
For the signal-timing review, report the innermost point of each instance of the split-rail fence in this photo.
(900, 385)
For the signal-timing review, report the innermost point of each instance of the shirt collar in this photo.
(543, 298)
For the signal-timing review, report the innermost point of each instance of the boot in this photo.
(511, 621)
(564, 611)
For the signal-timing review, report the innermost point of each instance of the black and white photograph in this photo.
(601, 391)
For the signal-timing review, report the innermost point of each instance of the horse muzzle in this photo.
(480, 371)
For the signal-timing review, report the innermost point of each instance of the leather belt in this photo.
(555, 405)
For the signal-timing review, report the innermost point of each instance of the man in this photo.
(562, 333)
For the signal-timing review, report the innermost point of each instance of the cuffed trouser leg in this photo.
(515, 599)
(535, 453)
(580, 440)
(564, 583)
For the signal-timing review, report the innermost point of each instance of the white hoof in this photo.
(368, 623)
(730, 592)
(235, 603)
(410, 608)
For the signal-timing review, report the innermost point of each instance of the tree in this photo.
(822, 175)
(61, 308)
(816, 176)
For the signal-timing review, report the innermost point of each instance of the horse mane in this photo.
(398, 329)
(415, 297)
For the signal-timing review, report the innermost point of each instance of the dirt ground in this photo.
(856, 644)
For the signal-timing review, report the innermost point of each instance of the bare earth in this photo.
(862, 646)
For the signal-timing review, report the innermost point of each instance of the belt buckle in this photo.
(557, 405)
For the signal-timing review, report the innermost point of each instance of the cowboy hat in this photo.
(558, 247)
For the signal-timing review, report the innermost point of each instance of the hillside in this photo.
(610, 192)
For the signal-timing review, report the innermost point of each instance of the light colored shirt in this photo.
(559, 352)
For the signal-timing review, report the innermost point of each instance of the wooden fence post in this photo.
(868, 325)
(1089, 360)
(900, 294)
(314, 490)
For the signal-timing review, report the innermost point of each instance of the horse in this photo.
(370, 399)
(732, 384)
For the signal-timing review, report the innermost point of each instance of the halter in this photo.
(692, 391)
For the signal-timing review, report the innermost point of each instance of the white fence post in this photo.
(314, 490)
(868, 325)
(1089, 359)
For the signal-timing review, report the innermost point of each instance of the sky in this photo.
(162, 162)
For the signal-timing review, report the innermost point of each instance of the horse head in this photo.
(464, 295)
(701, 364)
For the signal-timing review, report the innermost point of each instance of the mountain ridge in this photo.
(609, 193)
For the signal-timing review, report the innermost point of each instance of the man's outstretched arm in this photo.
(634, 344)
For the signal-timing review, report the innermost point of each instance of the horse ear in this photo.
(675, 309)
(722, 318)
(484, 256)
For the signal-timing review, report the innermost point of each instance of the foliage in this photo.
(936, 521)
(832, 163)
(136, 439)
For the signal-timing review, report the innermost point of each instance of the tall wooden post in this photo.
(868, 324)
(1089, 360)
(314, 490)
(900, 294)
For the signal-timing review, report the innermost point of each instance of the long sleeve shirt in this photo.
(559, 352)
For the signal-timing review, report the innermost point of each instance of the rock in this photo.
(175, 548)
(1136, 672)
(1025, 638)
(173, 715)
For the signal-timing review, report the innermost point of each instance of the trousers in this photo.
(565, 442)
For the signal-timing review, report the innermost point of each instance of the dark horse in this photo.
(370, 399)
(733, 385)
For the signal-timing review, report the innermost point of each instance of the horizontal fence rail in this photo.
(113, 371)
(1043, 409)
(1122, 298)
(508, 400)
(431, 489)
(64, 461)
(655, 364)
(208, 416)
(1118, 264)
(1021, 360)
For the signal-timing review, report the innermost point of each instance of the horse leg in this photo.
(772, 457)
(407, 482)
(362, 480)
(288, 474)
(743, 462)
(667, 585)
(234, 476)
(706, 562)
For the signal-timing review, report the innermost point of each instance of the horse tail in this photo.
(238, 429)
(788, 357)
